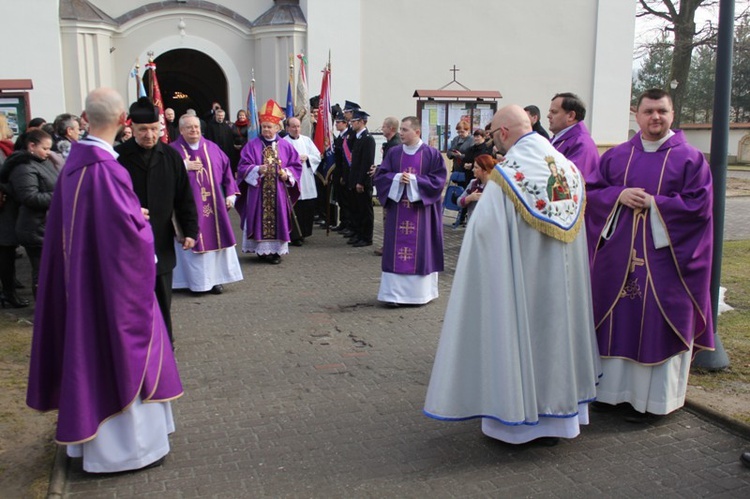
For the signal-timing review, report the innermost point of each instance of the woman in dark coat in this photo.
(31, 178)
(8, 215)
(239, 137)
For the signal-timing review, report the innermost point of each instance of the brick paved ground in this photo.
(299, 384)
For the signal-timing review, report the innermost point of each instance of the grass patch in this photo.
(733, 326)
(26, 444)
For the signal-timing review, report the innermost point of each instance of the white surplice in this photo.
(518, 345)
(130, 440)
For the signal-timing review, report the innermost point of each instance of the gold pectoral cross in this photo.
(405, 254)
(635, 261)
(407, 227)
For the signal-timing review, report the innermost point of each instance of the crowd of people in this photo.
(582, 281)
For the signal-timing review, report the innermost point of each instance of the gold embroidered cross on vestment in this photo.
(407, 227)
(405, 254)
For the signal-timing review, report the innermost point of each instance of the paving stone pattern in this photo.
(298, 383)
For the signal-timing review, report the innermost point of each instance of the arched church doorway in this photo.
(190, 79)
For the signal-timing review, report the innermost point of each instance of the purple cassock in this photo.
(652, 303)
(265, 208)
(577, 145)
(211, 186)
(413, 241)
(99, 337)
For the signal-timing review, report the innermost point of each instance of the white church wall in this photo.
(609, 106)
(496, 46)
(273, 46)
(335, 26)
(380, 51)
(33, 51)
(399, 47)
(88, 63)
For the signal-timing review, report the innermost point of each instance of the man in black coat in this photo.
(341, 174)
(219, 132)
(360, 182)
(161, 183)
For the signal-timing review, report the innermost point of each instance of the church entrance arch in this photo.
(190, 79)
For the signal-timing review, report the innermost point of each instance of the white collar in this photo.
(654, 145)
(412, 150)
(101, 144)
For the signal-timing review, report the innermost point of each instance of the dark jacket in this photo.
(363, 157)
(30, 182)
(8, 211)
(538, 128)
(173, 130)
(239, 139)
(221, 135)
(342, 165)
(392, 142)
(461, 145)
(474, 151)
(162, 187)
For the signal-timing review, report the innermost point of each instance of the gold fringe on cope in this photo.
(546, 228)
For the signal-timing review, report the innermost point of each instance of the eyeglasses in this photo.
(492, 133)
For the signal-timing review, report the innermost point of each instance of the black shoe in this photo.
(274, 259)
(297, 242)
(338, 228)
(602, 407)
(155, 464)
(392, 304)
(361, 244)
(263, 257)
(745, 459)
(643, 418)
(217, 290)
(353, 240)
(547, 441)
(13, 301)
(347, 233)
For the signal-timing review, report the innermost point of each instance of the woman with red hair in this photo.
(483, 166)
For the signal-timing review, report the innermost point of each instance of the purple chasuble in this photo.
(651, 304)
(265, 208)
(99, 337)
(413, 242)
(577, 145)
(211, 186)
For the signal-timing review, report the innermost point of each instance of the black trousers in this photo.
(35, 258)
(364, 215)
(8, 269)
(344, 199)
(163, 290)
(325, 208)
(305, 212)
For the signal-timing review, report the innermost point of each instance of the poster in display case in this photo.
(14, 104)
(441, 110)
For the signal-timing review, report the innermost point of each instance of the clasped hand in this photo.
(635, 198)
